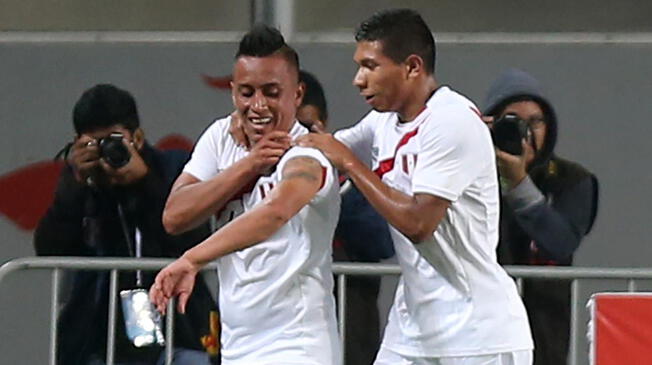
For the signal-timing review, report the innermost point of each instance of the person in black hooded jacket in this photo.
(548, 205)
(101, 210)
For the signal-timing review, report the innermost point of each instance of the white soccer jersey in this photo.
(453, 298)
(275, 297)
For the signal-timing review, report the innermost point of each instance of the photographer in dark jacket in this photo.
(548, 205)
(109, 202)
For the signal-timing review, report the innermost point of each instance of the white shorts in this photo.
(389, 357)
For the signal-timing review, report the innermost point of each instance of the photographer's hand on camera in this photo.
(513, 168)
(132, 172)
(84, 158)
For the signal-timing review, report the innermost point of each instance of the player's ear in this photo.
(231, 85)
(413, 65)
(300, 93)
(138, 138)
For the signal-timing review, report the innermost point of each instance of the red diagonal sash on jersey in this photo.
(387, 165)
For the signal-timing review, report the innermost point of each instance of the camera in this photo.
(508, 132)
(113, 150)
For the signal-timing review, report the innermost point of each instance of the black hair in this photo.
(262, 41)
(499, 109)
(102, 106)
(314, 94)
(402, 32)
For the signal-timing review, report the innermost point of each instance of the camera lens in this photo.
(508, 132)
(113, 151)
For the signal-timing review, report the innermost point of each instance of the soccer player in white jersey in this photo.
(277, 214)
(433, 178)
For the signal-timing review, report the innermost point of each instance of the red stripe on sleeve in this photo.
(324, 173)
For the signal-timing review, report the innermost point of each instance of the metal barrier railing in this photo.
(342, 270)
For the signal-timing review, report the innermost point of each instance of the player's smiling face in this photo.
(266, 94)
(379, 78)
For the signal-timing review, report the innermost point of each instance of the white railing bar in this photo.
(359, 268)
(56, 273)
(151, 264)
(110, 337)
(631, 285)
(341, 269)
(86, 263)
(565, 272)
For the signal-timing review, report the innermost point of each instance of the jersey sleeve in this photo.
(204, 163)
(328, 172)
(360, 137)
(454, 150)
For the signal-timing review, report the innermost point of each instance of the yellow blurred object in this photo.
(211, 342)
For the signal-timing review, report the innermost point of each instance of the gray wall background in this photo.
(601, 92)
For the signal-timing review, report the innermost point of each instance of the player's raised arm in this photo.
(302, 179)
(193, 200)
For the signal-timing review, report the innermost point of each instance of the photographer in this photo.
(548, 204)
(109, 203)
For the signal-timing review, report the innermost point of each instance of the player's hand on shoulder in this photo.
(338, 154)
(315, 126)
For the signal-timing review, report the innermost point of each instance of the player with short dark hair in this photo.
(276, 209)
(402, 32)
(434, 181)
(263, 41)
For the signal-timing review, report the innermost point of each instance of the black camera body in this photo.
(508, 132)
(114, 151)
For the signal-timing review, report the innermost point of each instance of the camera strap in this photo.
(134, 250)
(64, 152)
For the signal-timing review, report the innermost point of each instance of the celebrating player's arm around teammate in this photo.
(277, 210)
(434, 180)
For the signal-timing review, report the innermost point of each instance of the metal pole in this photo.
(341, 311)
(262, 11)
(275, 13)
(169, 332)
(519, 286)
(575, 310)
(53, 315)
(284, 18)
(110, 336)
(631, 285)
